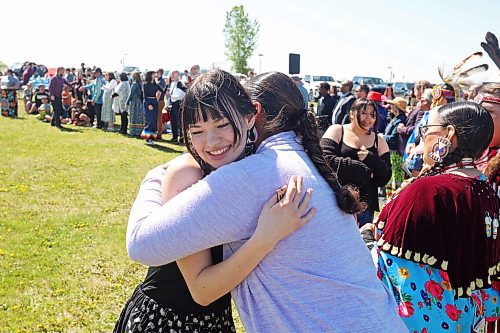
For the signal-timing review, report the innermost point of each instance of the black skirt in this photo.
(143, 314)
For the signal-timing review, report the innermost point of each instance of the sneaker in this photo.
(150, 142)
(173, 141)
(110, 129)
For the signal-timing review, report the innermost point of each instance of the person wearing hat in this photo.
(298, 82)
(423, 105)
(395, 143)
(382, 112)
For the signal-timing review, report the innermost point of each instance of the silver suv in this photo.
(375, 83)
(312, 82)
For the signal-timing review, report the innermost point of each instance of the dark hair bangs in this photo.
(216, 105)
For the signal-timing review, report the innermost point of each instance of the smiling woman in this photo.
(216, 118)
(360, 156)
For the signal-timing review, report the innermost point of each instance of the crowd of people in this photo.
(90, 97)
(278, 205)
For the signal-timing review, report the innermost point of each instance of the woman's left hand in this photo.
(362, 153)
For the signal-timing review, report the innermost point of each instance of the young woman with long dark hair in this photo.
(359, 155)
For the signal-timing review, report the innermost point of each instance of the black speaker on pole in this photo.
(293, 63)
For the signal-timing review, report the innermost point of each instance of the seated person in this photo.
(66, 101)
(40, 94)
(44, 109)
(75, 109)
(80, 115)
(28, 95)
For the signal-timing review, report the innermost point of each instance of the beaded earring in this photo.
(250, 144)
(440, 150)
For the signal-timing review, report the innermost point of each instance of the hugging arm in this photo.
(221, 208)
(207, 282)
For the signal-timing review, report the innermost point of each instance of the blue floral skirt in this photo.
(425, 298)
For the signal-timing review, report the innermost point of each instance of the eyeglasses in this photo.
(423, 129)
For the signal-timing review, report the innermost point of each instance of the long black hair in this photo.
(149, 77)
(215, 94)
(473, 127)
(283, 108)
(359, 106)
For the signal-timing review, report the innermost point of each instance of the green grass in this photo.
(64, 203)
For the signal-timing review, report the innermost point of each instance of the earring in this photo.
(440, 150)
(250, 144)
(205, 167)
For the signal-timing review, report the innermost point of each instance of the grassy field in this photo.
(64, 202)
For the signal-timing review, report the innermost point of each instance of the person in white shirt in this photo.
(185, 78)
(107, 115)
(176, 93)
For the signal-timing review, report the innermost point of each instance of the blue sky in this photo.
(336, 38)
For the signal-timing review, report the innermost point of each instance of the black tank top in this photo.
(348, 151)
(368, 192)
(166, 285)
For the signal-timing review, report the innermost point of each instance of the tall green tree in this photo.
(241, 37)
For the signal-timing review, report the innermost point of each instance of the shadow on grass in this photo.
(167, 149)
(68, 129)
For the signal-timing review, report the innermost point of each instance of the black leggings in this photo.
(124, 118)
(98, 111)
(58, 108)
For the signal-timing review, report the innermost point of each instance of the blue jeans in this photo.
(365, 217)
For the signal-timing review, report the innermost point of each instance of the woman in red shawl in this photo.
(438, 239)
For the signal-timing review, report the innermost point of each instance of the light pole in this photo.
(390, 73)
(123, 60)
(260, 62)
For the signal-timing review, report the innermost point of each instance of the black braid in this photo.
(347, 196)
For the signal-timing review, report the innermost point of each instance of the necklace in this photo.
(465, 163)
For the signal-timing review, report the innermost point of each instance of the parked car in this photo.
(375, 83)
(130, 69)
(402, 89)
(312, 82)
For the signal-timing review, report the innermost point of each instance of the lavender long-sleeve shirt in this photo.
(319, 279)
